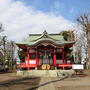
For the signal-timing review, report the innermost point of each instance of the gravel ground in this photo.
(73, 83)
(9, 81)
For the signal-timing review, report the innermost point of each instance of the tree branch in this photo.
(80, 22)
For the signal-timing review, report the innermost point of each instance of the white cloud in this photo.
(20, 20)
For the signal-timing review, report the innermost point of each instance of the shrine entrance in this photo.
(46, 58)
(45, 54)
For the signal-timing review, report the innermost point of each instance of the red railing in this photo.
(64, 65)
(24, 65)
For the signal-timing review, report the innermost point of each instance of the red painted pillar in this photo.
(28, 59)
(63, 57)
(36, 59)
(54, 55)
(63, 68)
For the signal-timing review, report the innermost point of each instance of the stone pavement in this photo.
(46, 84)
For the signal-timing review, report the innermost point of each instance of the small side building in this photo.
(49, 49)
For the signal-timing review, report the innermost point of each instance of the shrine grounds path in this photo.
(9, 81)
(76, 82)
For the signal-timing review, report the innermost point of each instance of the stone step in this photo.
(45, 73)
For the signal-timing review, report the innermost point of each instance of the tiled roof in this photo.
(56, 39)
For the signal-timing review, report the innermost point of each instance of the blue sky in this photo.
(69, 9)
(22, 17)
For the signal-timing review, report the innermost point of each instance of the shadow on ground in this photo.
(47, 83)
(20, 84)
(24, 84)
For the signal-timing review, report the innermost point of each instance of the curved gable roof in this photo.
(34, 39)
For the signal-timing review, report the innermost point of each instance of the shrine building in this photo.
(45, 49)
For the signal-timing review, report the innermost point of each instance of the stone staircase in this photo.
(45, 73)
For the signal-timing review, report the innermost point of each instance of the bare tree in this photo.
(2, 44)
(83, 39)
(10, 52)
(84, 20)
(78, 47)
(4, 51)
(7, 48)
(1, 30)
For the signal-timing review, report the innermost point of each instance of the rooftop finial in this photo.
(45, 32)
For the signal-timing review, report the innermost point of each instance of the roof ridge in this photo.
(45, 35)
(44, 32)
(41, 34)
